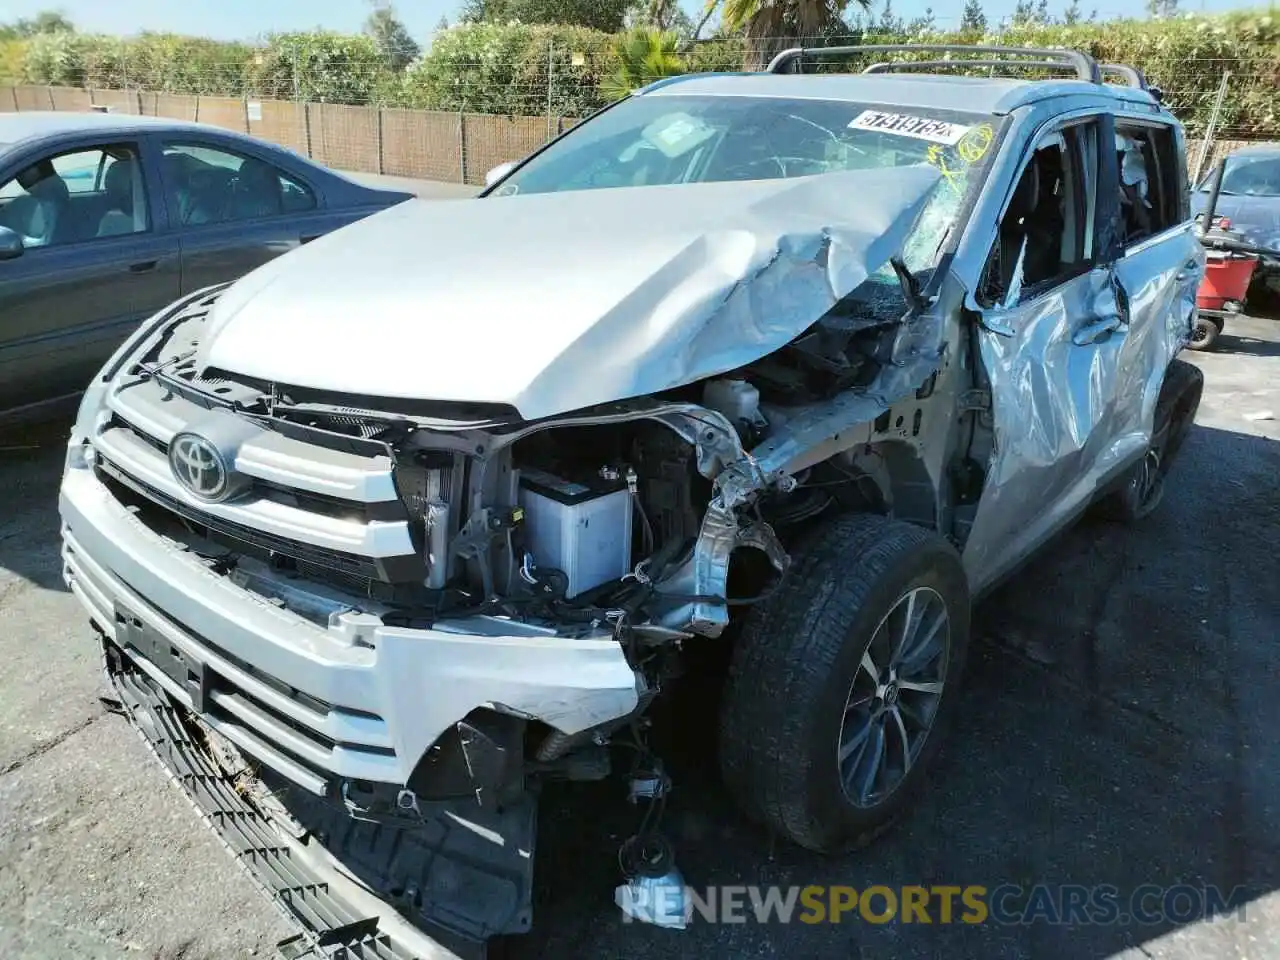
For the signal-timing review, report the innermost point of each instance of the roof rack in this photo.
(1085, 67)
(890, 66)
(1132, 76)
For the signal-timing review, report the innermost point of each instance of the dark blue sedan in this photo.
(1250, 201)
(105, 219)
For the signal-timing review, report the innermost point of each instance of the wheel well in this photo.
(904, 487)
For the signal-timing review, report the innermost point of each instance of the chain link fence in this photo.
(376, 134)
(420, 144)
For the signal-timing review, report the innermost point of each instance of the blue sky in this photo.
(245, 19)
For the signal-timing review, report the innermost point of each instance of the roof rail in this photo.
(890, 66)
(1086, 68)
(1132, 76)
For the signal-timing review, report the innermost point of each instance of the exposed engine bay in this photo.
(609, 514)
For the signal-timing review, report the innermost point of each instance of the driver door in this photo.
(1054, 320)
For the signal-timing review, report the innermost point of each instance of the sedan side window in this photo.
(208, 185)
(77, 196)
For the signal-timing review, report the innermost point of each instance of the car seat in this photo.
(119, 217)
(192, 192)
(256, 192)
(39, 215)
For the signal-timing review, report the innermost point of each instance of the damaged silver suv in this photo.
(407, 522)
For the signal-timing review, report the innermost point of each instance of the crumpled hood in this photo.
(555, 302)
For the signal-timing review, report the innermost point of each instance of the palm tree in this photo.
(659, 14)
(644, 56)
(770, 25)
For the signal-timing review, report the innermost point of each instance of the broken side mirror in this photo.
(11, 245)
(998, 297)
(498, 172)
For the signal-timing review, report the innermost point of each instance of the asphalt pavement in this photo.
(1118, 728)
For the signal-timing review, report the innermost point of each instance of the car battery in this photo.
(582, 529)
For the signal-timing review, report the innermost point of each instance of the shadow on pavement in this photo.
(31, 461)
(1234, 344)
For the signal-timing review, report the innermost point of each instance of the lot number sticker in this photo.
(906, 125)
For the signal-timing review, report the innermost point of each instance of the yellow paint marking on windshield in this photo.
(976, 143)
(939, 160)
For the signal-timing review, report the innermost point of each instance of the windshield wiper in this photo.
(911, 291)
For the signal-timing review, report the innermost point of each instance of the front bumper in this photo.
(356, 701)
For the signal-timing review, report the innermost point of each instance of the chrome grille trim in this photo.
(144, 462)
(160, 414)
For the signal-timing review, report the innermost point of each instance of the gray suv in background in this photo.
(408, 522)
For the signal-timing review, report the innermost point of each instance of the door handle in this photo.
(1093, 332)
(1189, 270)
(144, 267)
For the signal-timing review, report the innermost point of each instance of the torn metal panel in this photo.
(816, 432)
(670, 285)
(706, 572)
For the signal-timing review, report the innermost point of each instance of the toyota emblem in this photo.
(198, 466)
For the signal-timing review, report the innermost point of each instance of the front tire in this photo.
(843, 682)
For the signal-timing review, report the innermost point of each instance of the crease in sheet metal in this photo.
(1074, 388)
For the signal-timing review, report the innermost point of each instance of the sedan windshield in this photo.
(1249, 177)
(673, 139)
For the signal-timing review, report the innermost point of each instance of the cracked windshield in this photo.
(650, 141)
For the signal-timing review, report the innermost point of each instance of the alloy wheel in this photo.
(894, 697)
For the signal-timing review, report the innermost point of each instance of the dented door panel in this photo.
(1053, 383)
(1161, 277)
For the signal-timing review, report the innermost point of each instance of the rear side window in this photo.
(208, 185)
(1152, 179)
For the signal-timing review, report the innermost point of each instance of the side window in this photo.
(77, 196)
(207, 185)
(1045, 236)
(1151, 199)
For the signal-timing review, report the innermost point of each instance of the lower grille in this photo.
(334, 922)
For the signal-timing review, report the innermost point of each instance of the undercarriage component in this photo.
(653, 890)
(334, 912)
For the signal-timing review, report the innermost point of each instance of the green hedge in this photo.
(515, 69)
(505, 69)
